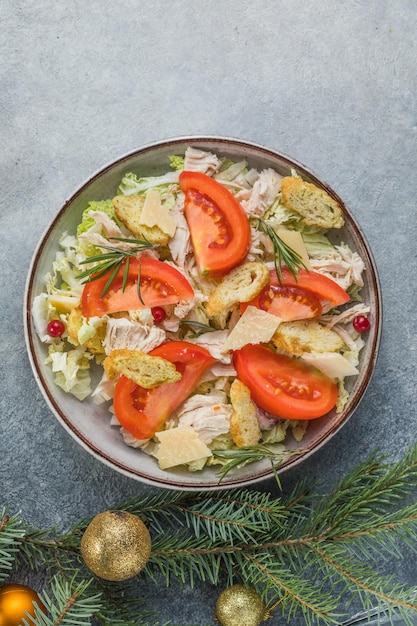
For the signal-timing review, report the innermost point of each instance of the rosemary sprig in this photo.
(112, 261)
(236, 457)
(283, 254)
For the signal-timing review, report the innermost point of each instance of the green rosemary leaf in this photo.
(112, 276)
(140, 242)
(117, 252)
(126, 274)
(283, 254)
(202, 328)
(99, 271)
(139, 290)
(99, 258)
(237, 457)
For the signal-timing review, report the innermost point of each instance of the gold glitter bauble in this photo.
(240, 606)
(116, 545)
(15, 600)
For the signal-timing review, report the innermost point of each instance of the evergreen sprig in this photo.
(307, 554)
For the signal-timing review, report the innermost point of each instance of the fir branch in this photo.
(123, 607)
(292, 592)
(67, 604)
(306, 553)
(11, 531)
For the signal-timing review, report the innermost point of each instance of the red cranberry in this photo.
(55, 328)
(361, 324)
(158, 314)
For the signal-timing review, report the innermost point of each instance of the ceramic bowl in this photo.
(87, 422)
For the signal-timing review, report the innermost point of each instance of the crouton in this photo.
(145, 370)
(128, 210)
(74, 323)
(302, 336)
(315, 205)
(244, 425)
(241, 285)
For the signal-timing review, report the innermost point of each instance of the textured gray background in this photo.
(331, 83)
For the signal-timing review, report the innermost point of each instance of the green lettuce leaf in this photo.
(71, 369)
(132, 185)
(105, 206)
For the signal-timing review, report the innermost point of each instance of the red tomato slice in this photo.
(144, 411)
(309, 296)
(160, 285)
(283, 385)
(219, 228)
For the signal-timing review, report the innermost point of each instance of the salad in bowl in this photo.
(212, 315)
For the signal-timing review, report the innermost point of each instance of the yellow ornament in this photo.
(15, 600)
(240, 606)
(116, 545)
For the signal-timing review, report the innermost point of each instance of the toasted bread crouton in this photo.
(315, 205)
(306, 336)
(74, 323)
(145, 370)
(244, 425)
(128, 210)
(241, 285)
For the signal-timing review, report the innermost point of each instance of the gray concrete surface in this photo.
(331, 83)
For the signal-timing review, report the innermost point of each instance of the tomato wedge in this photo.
(308, 296)
(283, 385)
(160, 285)
(144, 411)
(219, 228)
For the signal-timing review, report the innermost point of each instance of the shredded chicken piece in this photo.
(208, 415)
(180, 244)
(218, 371)
(143, 316)
(264, 192)
(350, 342)
(108, 225)
(104, 390)
(266, 420)
(103, 223)
(342, 265)
(123, 333)
(200, 161)
(345, 316)
(214, 343)
(243, 195)
(185, 306)
(223, 370)
(261, 245)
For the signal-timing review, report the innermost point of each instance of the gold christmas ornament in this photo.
(116, 545)
(15, 600)
(240, 606)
